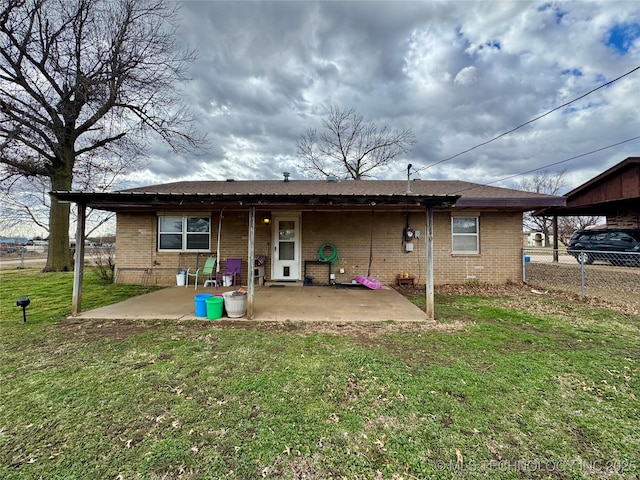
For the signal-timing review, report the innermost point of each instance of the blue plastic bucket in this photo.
(214, 307)
(201, 306)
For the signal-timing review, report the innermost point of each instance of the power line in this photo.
(550, 165)
(528, 122)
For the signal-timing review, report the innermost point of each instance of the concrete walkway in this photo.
(293, 302)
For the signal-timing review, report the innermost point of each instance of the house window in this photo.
(464, 235)
(177, 233)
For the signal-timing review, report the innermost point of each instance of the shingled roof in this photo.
(346, 187)
(438, 193)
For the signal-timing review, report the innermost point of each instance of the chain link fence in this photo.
(612, 276)
(23, 256)
(35, 256)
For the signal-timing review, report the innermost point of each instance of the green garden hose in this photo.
(333, 258)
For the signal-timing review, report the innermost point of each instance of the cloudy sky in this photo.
(457, 73)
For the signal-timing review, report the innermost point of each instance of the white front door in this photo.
(286, 248)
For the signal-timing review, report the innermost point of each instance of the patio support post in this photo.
(555, 238)
(251, 261)
(429, 300)
(78, 267)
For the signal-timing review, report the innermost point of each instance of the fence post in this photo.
(582, 285)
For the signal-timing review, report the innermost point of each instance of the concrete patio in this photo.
(274, 302)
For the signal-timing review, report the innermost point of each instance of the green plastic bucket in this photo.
(214, 307)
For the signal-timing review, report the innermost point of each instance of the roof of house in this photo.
(437, 193)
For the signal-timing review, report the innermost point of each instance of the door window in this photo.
(286, 237)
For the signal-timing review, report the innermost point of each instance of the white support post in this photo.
(251, 260)
(78, 268)
(429, 297)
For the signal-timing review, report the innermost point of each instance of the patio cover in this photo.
(154, 197)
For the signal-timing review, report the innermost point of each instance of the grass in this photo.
(495, 391)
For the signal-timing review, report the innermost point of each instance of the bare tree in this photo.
(545, 182)
(568, 225)
(349, 147)
(552, 183)
(26, 201)
(82, 85)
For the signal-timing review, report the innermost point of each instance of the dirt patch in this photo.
(122, 329)
(363, 329)
(528, 297)
(94, 329)
(617, 287)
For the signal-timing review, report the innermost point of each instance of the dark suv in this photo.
(617, 246)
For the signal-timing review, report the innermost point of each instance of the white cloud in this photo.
(456, 73)
(467, 76)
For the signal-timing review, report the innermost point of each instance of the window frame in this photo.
(475, 235)
(184, 233)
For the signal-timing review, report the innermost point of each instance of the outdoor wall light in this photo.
(266, 221)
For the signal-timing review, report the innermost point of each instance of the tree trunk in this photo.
(59, 257)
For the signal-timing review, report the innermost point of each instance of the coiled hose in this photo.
(333, 258)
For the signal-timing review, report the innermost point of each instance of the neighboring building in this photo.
(614, 194)
(536, 239)
(477, 229)
(14, 240)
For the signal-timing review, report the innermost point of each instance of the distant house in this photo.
(536, 239)
(373, 228)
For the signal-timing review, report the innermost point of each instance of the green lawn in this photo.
(509, 386)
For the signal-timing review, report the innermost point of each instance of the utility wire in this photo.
(528, 122)
(549, 165)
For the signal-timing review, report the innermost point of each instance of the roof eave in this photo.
(512, 203)
(114, 201)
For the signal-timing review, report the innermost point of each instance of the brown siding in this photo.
(352, 234)
(623, 185)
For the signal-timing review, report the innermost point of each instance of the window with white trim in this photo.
(465, 235)
(180, 234)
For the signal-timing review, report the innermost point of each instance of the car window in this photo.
(599, 237)
(620, 237)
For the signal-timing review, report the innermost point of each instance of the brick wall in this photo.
(137, 240)
(624, 219)
(499, 259)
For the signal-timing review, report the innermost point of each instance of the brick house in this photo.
(477, 229)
